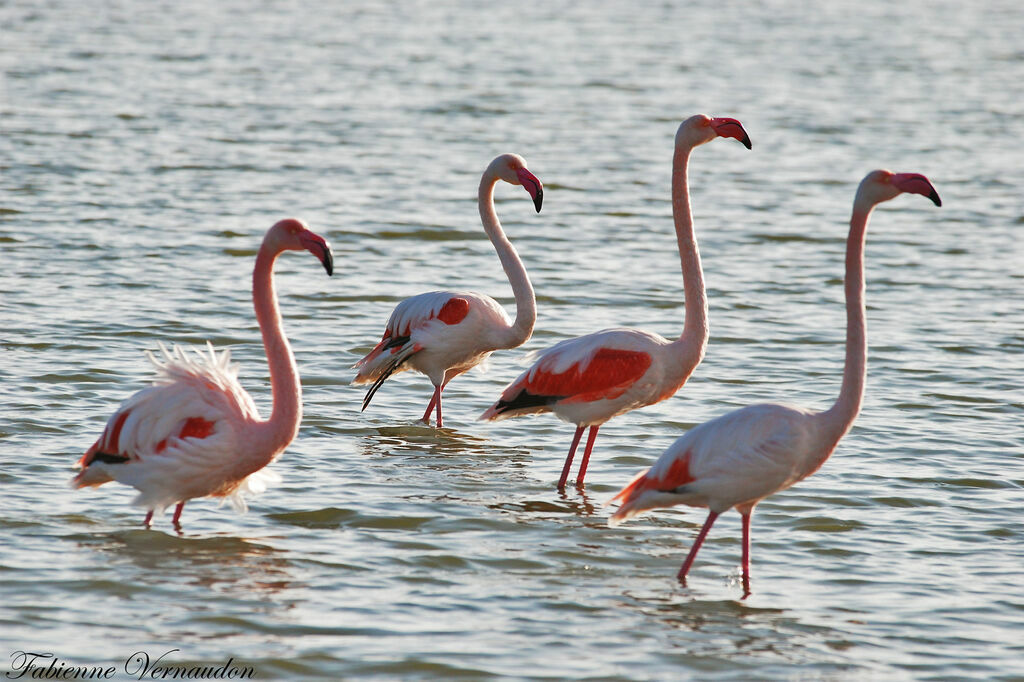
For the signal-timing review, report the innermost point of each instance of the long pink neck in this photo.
(278, 431)
(522, 289)
(695, 330)
(839, 418)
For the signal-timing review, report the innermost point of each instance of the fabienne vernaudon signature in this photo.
(29, 665)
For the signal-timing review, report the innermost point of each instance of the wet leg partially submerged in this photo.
(696, 546)
(746, 554)
(176, 519)
(586, 455)
(568, 459)
(430, 406)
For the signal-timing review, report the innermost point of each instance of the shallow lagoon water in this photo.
(145, 149)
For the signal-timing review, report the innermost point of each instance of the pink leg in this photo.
(430, 407)
(437, 395)
(746, 554)
(696, 545)
(176, 519)
(149, 519)
(586, 455)
(572, 453)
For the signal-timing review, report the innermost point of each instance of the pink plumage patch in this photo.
(377, 350)
(678, 475)
(196, 427)
(408, 316)
(110, 441)
(454, 311)
(610, 372)
(107, 442)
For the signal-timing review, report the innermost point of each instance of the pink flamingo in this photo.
(444, 333)
(590, 379)
(196, 432)
(744, 456)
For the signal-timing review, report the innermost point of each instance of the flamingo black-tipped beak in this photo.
(319, 247)
(730, 127)
(533, 186)
(327, 258)
(915, 183)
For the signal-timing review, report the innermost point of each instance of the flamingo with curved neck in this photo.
(196, 432)
(444, 333)
(590, 379)
(742, 457)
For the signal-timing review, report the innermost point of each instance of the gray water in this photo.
(146, 147)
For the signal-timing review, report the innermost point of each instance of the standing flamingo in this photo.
(590, 379)
(744, 456)
(195, 431)
(445, 333)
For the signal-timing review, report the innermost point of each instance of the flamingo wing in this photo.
(178, 438)
(585, 369)
(740, 457)
(409, 316)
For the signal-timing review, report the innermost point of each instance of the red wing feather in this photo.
(610, 372)
(196, 427)
(107, 442)
(454, 311)
(677, 476)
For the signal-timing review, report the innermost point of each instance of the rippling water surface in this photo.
(146, 147)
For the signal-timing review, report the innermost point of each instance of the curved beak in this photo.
(319, 247)
(730, 127)
(915, 183)
(533, 186)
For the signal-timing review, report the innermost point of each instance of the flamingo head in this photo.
(882, 185)
(699, 129)
(291, 234)
(512, 169)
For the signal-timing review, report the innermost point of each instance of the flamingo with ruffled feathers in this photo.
(196, 432)
(444, 333)
(589, 379)
(744, 456)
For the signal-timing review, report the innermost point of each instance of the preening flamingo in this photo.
(196, 432)
(590, 379)
(744, 456)
(444, 333)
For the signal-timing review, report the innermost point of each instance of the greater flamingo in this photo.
(196, 432)
(444, 333)
(744, 456)
(590, 379)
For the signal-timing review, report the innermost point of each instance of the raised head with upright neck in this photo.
(877, 187)
(693, 132)
(512, 169)
(274, 434)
